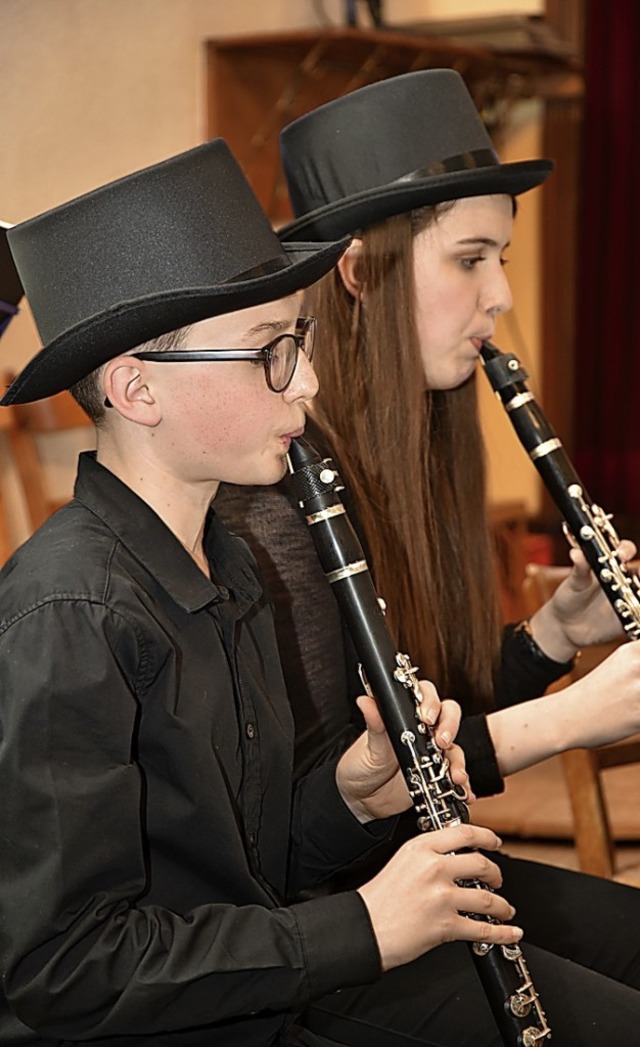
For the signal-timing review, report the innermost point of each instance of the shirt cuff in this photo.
(526, 670)
(339, 946)
(480, 756)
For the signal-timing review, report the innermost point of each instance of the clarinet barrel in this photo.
(437, 801)
(585, 523)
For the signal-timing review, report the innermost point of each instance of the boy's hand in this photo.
(418, 902)
(368, 776)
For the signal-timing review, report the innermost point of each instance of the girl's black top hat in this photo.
(390, 147)
(169, 245)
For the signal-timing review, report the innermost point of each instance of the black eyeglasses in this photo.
(280, 357)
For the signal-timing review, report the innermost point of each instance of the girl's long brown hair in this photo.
(414, 460)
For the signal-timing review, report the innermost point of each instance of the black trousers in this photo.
(582, 947)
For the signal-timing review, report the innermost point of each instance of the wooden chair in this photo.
(584, 768)
(33, 423)
(509, 526)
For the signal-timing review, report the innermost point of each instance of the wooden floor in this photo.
(533, 817)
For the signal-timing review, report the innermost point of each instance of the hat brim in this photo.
(350, 214)
(81, 349)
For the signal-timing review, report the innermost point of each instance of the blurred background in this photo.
(93, 89)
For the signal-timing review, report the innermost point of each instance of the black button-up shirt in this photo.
(151, 841)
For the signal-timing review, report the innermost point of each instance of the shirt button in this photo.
(251, 730)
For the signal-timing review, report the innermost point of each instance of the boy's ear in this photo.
(349, 269)
(128, 391)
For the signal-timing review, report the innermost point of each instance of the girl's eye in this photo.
(469, 263)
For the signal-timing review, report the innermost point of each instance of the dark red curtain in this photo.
(607, 408)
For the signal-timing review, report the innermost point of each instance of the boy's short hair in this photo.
(88, 392)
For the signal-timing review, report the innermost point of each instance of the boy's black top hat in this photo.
(391, 147)
(11, 290)
(164, 247)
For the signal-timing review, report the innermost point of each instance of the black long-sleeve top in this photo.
(317, 655)
(151, 839)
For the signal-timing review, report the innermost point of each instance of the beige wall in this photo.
(93, 89)
(511, 475)
(397, 11)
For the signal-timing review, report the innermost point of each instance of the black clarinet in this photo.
(390, 676)
(585, 523)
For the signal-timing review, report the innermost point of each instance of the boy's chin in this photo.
(271, 473)
(279, 472)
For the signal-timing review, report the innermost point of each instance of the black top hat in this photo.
(388, 148)
(159, 249)
(10, 287)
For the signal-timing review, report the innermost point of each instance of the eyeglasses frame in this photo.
(264, 353)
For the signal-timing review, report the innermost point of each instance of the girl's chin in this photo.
(454, 378)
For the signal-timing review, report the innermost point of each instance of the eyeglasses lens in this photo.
(284, 354)
(284, 357)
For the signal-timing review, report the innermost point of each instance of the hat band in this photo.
(273, 265)
(460, 162)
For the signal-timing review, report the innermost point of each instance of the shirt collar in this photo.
(155, 546)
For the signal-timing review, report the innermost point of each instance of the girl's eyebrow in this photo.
(484, 241)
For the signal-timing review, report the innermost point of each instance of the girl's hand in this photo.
(578, 614)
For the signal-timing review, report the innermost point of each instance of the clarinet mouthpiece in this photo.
(301, 453)
(489, 351)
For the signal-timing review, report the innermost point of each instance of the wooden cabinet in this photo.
(257, 85)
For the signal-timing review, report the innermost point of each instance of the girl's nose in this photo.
(497, 297)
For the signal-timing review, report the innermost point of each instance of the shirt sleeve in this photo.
(480, 756)
(525, 671)
(326, 836)
(84, 953)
